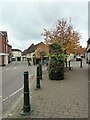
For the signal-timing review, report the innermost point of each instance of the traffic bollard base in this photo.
(25, 113)
(70, 68)
(27, 108)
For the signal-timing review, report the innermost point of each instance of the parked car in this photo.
(78, 58)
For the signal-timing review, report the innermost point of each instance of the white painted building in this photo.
(16, 55)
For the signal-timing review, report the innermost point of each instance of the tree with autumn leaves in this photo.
(65, 35)
(41, 50)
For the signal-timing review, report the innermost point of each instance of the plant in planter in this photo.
(56, 64)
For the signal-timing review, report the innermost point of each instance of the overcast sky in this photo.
(25, 21)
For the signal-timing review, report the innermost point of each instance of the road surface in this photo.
(12, 83)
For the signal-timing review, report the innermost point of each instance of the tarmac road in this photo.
(12, 83)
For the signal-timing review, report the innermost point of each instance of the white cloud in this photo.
(84, 38)
(34, 1)
(25, 22)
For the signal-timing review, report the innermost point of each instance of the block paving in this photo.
(66, 98)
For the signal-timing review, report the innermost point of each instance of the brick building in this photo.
(5, 49)
(10, 53)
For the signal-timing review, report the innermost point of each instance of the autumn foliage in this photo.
(80, 50)
(65, 35)
(41, 49)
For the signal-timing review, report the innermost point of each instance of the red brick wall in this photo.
(10, 53)
(3, 43)
(0, 43)
(4, 47)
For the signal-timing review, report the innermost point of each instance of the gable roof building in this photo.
(31, 48)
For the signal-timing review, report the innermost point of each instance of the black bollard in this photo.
(40, 70)
(66, 64)
(69, 65)
(26, 107)
(81, 64)
(38, 77)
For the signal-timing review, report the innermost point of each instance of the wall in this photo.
(3, 49)
(0, 43)
(16, 54)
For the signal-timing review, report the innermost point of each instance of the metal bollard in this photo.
(38, 77)
(66, 64)
(69, 65)
(26, 107)
(81, 64)
(40, 70)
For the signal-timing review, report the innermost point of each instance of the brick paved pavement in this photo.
(67, 98)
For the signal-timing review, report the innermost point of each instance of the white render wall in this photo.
(0, 60)
(6, 59)
(16, 54)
